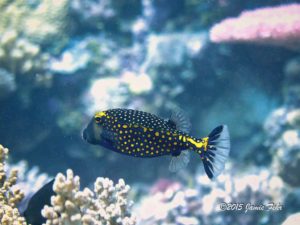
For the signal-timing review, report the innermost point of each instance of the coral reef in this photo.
(262, 26)
(292, 219)
(106, 15)
(73, 59)
(91, 12)
(22, 51)
(202, 203)
(150, 55)
(43, 20)
(30, 180)
(9, 198)
(20, 56)
(47, 21)
(174, 47)
(282, 128)
(108, 204)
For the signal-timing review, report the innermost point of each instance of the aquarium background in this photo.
(61, 61)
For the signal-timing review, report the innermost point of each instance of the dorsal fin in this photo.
(171, 124)
(180, 120)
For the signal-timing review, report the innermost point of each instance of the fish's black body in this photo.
(142, 134)
(135, 133)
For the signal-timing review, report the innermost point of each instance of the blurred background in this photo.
(61, 61)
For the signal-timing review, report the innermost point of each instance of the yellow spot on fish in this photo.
(205, 143)
(162, 136)
(184, 139)
(175, 143)
(156, 134)
(151, 153)
(132, 145)
(121, 132)
(180, 137)
(119, 125)
(145, 129)
(125, 126)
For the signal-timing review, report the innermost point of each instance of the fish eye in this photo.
(97, 119)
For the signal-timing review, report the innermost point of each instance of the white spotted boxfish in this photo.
(142, 134)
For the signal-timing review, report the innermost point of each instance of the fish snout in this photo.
(85, 135)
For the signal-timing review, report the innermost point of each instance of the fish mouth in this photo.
(85, 135)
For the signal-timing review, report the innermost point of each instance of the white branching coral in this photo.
(9, 214)
(24, 29)
(107, 204)
(202, 203)
(42, 21)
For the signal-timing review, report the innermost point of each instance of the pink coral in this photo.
(278, 26)
(164, 184)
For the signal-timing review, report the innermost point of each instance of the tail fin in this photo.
(216, 151)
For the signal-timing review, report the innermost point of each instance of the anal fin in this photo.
(179, 161)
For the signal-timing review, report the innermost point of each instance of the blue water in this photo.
(146, 55)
